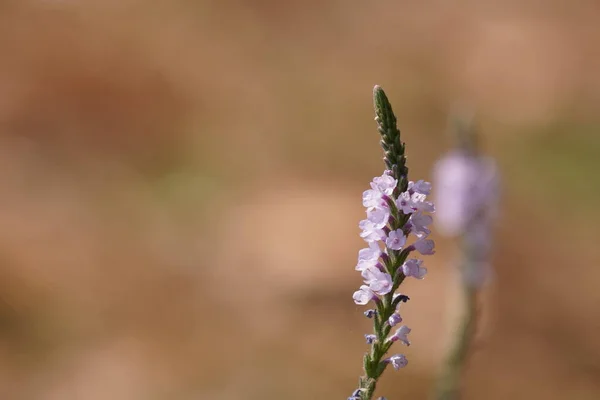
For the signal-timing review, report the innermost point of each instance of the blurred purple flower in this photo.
(466, 185)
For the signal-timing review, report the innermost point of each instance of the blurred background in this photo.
(180, 188)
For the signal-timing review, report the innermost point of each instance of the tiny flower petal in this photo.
(413, 268)
(364, 264)
(420, 186)
(400, 335)
(379, 282)
(404, 203)
(363, 295)
(370, 232)
(418, 223)
(424, 246)
(372, 253)
(370, 338)
(396, 240)
(355, 395)
(372, 199)
(398, 361)
(418, 203)
(370, 313)
(394, 319)
(379, 217)
(384, 184)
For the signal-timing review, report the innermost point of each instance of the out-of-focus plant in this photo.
(396, 209)
(467, 186)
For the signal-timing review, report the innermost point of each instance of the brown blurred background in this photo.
(180, 187)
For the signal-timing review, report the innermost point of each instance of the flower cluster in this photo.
(393, 218)
(384, 264)
(397, 226)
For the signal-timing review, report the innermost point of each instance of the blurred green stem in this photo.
(449, 382)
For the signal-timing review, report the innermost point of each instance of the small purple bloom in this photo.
(370, 338)
(379, 217)
(370, 231)
(418, 203)
(404, 203)
(398, 361)
(384, 184)
(424, 246)
(400, 335)
(370, 313)
(420, 186)
(372, 199)
(396, 240)
(355, 395)
(372, 253)
(412, 267)
(365, 264)
(378, 281)
(394, 319)
(363, 295)
(419, 222)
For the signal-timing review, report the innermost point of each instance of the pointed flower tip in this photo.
(379, 96)
(380, 101)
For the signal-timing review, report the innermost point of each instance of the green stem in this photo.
(449, 382)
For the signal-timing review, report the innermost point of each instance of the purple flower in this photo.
(400, 335)
(466, 184)
(394, 319)
(418, 224)
(378, 281)
(365, 264)
(393, 213)
(413, 202)
(419, 203)
(372, 253)
(379, 217)
(370, 231)
(372, 199)
(363, 295)
(398, 361)
(384, 184)
(355, 395)
(413, 268)
(424, 246)
(420, 186)
(396, 240)
(404, 203)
